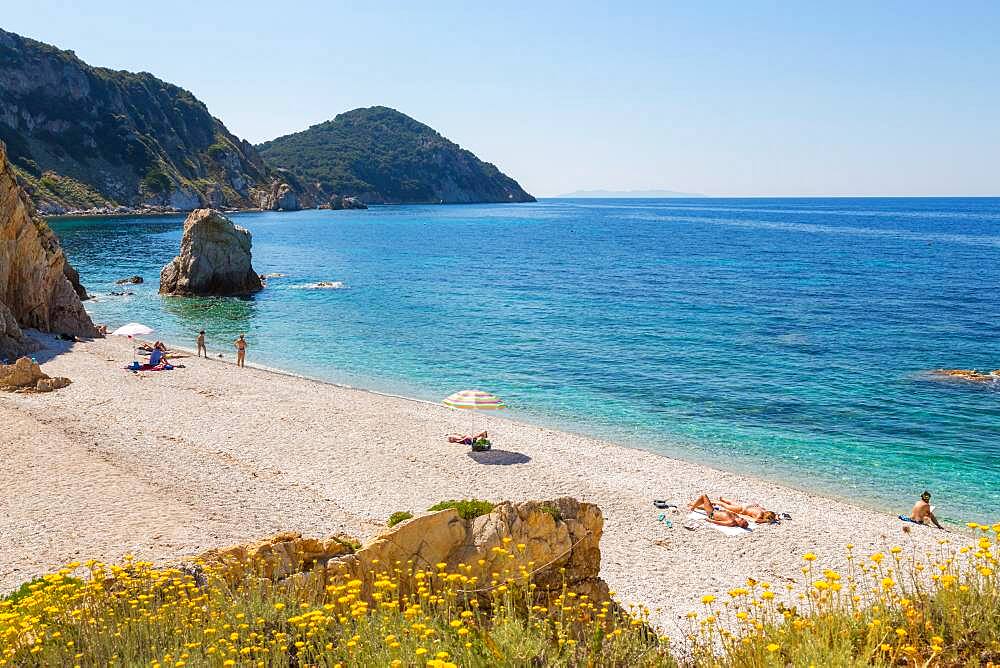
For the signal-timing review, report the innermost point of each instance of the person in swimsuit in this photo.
(754, 511)
(201, 344)
(241, 350)
(922, 511)
(720, 516)
(464, 439)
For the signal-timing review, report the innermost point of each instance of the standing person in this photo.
(201, 344)
(241, 350)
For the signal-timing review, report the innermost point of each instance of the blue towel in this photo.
(155, 357)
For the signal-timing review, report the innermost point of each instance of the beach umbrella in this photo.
(475, 400)
(132, 330)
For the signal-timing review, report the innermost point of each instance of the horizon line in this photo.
(737, 196)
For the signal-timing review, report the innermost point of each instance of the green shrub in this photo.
(552, 510)
(352, 545)
(398, 516)
(217, 151)
(467, 508)
(156, 182)
(37, 584)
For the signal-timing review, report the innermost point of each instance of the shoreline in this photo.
(169, 464)
(865, 504)
(565, 429)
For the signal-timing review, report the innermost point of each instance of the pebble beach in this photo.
(164, 465)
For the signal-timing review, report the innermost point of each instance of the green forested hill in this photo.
(383, 156)
(81, 137)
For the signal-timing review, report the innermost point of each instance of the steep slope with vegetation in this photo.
(382, 156)
(38, 287)
(81, 137)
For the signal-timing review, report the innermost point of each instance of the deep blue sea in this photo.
(787, 338)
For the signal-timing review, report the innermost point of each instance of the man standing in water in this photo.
(241, 350)
(201, 344)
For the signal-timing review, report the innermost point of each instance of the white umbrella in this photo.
(132, 330)
(475, 400)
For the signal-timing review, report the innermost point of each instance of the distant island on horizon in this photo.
(629, 193)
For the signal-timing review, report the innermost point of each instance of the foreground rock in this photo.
(24, 374)
(36, 286)
(214, 259)
(560, 539)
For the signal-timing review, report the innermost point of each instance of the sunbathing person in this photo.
(923, 511)
(720, 516)
(465, 439)
(754, 511)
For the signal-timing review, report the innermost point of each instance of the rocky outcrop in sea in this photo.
(214, 259)
(38, 288)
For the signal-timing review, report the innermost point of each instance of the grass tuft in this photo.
(398, 516)
(468, 509)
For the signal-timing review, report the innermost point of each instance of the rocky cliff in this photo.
(382, 156)
(36, 289)
(83, 137)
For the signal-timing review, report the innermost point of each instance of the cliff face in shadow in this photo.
(84, 137)
(36, 289)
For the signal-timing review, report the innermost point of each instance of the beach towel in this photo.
(149, 367)
(155, 357)
(699, 515)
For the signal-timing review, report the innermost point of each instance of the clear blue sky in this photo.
(756, 98)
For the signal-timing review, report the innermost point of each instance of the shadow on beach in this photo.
(498, 457)
(50, 346)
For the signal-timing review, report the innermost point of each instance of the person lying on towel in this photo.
(754, 511)
(465, 439)
(720, 516)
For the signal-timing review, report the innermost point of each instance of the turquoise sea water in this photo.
(781, 337)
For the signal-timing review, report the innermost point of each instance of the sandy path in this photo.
(171, 463)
